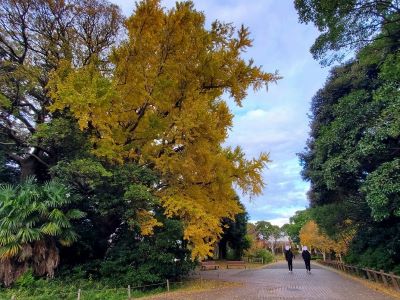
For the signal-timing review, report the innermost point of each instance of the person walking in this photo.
(307, 258)
(289, 258)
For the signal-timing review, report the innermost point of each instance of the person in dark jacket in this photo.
(307, 258)
(289, 258)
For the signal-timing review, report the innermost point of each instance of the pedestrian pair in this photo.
(305, 254)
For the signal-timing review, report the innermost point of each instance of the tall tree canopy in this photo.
(352, 156)
(162, 107)
(348, 24)
(35, 37)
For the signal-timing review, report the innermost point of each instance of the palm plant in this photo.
(33, 219)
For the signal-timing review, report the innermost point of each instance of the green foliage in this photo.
(267, 229)
(266, 255)
(84, 174)
(333, 217)
(376, 246)
(63, 288)
(297, 221)
(347, 25)
(352, 157)
(30, 212)
(62, 138)
(137, 260)
(113, 195)
(382, 189)
(33, 217)
(26, 280)
(233, 242)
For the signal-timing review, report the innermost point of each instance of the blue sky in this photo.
(273, 121)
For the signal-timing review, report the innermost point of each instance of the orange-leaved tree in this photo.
(344, 238)
(311, 235)
(162, 107)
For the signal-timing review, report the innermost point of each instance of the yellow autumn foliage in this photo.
(312, 236)
(147, 222)
(162, 106)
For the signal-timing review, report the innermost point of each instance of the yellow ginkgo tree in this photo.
(312, 236)
(161, 105)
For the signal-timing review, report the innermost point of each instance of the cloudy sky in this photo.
(273, 121)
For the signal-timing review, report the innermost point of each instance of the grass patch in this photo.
(57, 289)
(193, 286)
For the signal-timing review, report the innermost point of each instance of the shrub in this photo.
(266, 255)
(35, 220)
(136, 260)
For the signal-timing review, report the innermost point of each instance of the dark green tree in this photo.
(296, 222)
(234, 236)
(35, 37)
(351, 159)
(133, 259)
(346, 25)
(269, 232)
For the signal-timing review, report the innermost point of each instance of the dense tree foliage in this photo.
(35, 37)
(349, 24)
(132, 259)
(234, 237)
(352, 155)
(132, 124)
(315, 238)
(296, 222)
(34, 219)
(269, 232)
(163, 108)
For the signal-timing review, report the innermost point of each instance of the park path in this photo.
(275, 282)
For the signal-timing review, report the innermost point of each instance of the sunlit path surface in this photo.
(275, 282)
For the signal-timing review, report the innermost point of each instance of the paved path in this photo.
(275, 282)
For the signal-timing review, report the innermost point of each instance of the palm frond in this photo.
(10, 250)
(51, 229)
(74, 214)
(7, 192)
(6, 237)
(27, 235)
(68, 237)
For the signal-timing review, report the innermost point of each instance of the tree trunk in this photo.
(222, 249)
(324, 255)
(28, 167)
(33, 165)
(46, 258)
(10, 270)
